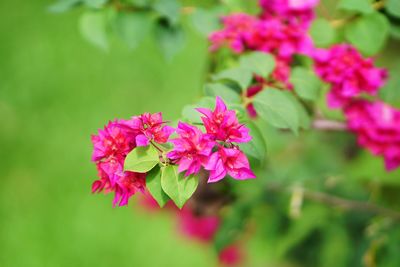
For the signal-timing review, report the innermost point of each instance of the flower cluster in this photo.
(377, 126)
(243, 32)
(111, 146)
(214, 150)
(348, 73)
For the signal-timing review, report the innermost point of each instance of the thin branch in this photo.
(346, 204)
(328, 125)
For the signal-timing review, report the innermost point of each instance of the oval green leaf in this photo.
(178, 187)
(141, 159)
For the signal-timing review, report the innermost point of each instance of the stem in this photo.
(346, 204)
(328, 125)
(157, 147)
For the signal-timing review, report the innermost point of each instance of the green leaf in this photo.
(95, 3)
(304, 117)
(359, 6)
(239, 75)
(257, 147)
(169, 9)
(259, 63)
(393, 7)
(205, 21)
(277, 109)
(132, 28)
(306, 84)
(225, 92)
(141, 159)
(170, 40)
(322, 33)
(93, 28)
(368, 33)
(178, 187)
(153, 184)
(63, 5)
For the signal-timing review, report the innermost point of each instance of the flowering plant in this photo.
(284, 67)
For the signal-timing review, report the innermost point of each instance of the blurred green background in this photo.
(55, 91)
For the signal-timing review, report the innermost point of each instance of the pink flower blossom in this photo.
(377, 126)
(348, 73)
(191, 149)
(244, 32)
(111, 146)
(199, 227)
(150, 127)
(229, 161)
(223, 125)
(231, 256)
(236, 28)
(114, 140)
(292, 11)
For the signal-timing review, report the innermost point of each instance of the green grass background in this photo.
(55, 91)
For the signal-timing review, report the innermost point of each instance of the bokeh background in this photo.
(56, 90)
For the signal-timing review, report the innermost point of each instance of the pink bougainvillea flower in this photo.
(113, 140)
(150, 127)
(231, 256)
(243, 32)
(348, 73)
(293, 11)
(201, 228)
(278, 38)
(191, 149)
(236, 27)
(377, 126)
(228, 161)
(111, 146)
(223, 125)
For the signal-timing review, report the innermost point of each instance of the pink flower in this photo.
(243, 32)
(111, 146)
(236, 27)
(223, 125)
(348, 73)
(114, 140)
(293, 11)
(377, 126)
(150, 127)
(191, 149)
(202, 228)
(231, 256)
(229, 161)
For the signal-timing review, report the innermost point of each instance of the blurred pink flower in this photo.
(348, 73)
(150, 127)
(293, 11)
(229, 161)
(223, 125)
(201, 228)
(243, 32)
(191, 149)
(231, 256)
(111, 146)
(377, 126)
(236, 27)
